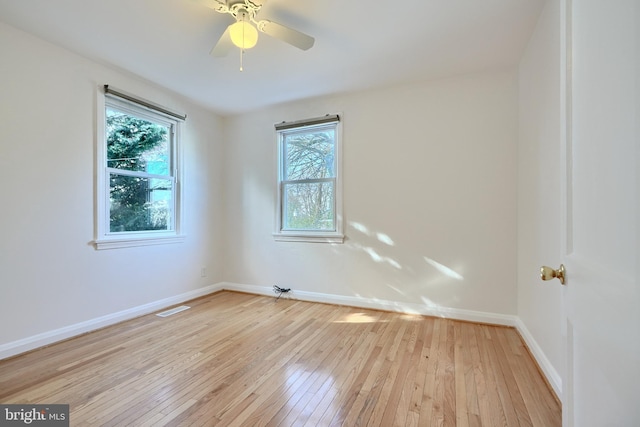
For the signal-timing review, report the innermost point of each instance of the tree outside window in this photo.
(140, 182)
(309, 181)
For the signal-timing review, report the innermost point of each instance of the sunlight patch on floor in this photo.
(357, 318)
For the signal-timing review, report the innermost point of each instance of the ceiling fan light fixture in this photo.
(243, 34)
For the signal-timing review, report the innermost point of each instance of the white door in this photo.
(602, 297)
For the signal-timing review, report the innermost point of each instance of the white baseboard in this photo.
(50, 337)
(378, 304)
(552, 376)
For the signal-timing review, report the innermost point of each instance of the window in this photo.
(309, 181)
(138, 197)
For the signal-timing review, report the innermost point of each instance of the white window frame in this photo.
(104, 238)
(315, 236)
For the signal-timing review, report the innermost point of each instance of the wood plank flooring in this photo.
(244, 360)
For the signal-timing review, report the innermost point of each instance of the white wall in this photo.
(539, 191)
(429, 167)
(51, 277)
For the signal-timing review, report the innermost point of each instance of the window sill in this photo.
(133, 241)
(309, 237)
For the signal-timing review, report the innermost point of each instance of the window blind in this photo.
(329, 118)
(148, 104)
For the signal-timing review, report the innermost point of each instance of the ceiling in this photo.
(359, 44)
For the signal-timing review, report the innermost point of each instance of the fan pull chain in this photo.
(243, 40)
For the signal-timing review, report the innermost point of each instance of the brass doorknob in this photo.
(548, 273)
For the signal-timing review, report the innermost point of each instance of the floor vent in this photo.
(173, 311)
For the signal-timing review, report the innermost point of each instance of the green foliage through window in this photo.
(139, 165)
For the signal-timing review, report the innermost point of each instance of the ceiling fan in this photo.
(245, 35)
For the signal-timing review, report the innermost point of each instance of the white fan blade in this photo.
(223, 46)
(286, 34)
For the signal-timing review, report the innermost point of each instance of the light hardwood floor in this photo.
(244, 360)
